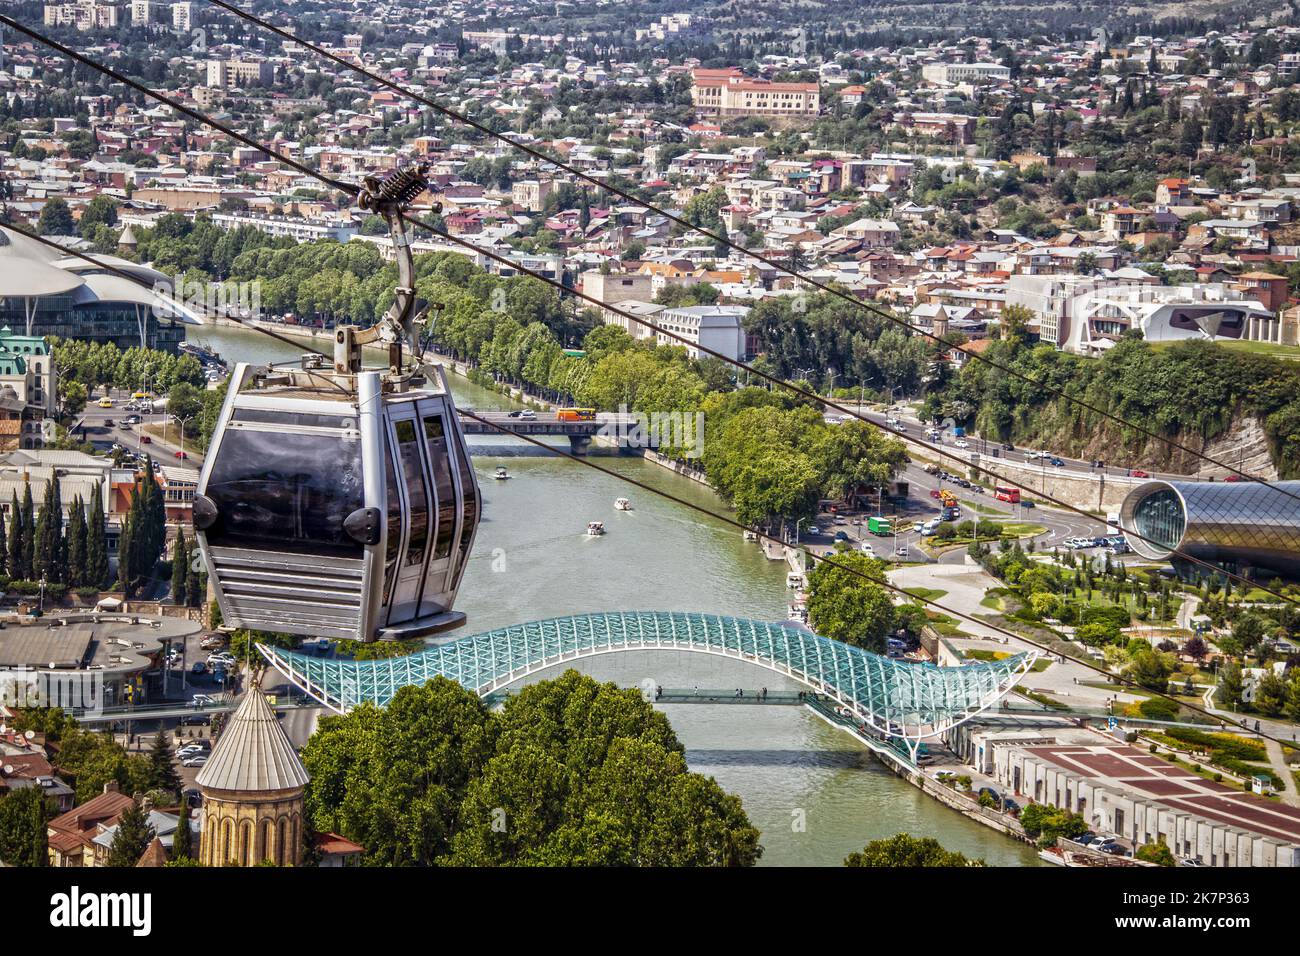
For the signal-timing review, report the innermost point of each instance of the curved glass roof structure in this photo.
(898, 699)
(1227, 522)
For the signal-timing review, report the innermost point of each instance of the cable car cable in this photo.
(820, 401)
(724, 240)
(546, 279)
(180, 107)
(644, 486)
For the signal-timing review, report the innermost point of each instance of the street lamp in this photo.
(182, 422)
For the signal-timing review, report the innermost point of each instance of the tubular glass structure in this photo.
(894, 698)
(1238, 525)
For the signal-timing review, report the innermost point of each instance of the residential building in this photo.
(729, 93)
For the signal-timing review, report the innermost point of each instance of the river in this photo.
(813, 791)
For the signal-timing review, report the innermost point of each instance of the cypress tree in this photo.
(183, 841)
(96, 545)
(15, 553)
(4, 548)
(77, 569)
(197, 587)
(28, 554)
(180, 569)
(126, 554)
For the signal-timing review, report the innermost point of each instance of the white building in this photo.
(716, 327)
(965, 73)
(302, 230)
(182, 16)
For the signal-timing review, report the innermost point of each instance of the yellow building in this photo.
(252, 792)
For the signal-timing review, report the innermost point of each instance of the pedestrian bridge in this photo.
(894, 698)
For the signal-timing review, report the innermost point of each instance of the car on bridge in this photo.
(202, 700)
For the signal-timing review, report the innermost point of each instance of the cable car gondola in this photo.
(339, 501)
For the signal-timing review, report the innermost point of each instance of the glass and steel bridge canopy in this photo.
(895, 698)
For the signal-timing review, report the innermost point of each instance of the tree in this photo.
(1230, 688)
(49, 548)
(1150, 669)
(905, 850)
(393, 779)
(77, 544)
(27, 548)
(1157, 853)
(570, 772)
(56, 219)
(845, 602)
(162, 765)
(589, 774)
(96, 545)
(1271, 695)
(183, 841)
(23, 817)
(101, 211)
(180, 569)
(133, 835)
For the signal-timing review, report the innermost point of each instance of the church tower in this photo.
(252, 790)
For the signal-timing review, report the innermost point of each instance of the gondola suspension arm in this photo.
(388, 196)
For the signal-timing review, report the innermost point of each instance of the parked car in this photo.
(1086, 838)
(198, 760)
(199, 668)
(212, 641)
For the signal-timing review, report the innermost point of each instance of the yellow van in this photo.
(105, 403)
(139, 395)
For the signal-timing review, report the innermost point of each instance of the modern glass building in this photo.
(1244, 527)
(44, 293)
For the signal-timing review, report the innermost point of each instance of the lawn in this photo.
(925, 594)
(1270, 349)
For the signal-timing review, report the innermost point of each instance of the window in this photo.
(445, 486)
(394, 507)
(285, 492)
(417, 491)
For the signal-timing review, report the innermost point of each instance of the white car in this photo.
(191, 750)
(867, 549)
(198, 760)
(962, 443)
(901, 552)
(528, 414)
(918, 527)
(203, 700)
(223, 658)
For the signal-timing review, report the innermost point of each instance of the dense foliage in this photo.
(571, 772)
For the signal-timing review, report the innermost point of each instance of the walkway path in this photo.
(1277, 759)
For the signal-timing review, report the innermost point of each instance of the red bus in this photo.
(1006, 493)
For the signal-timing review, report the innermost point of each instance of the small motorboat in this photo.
(751, 535)
(502, 474)
(595, 529)
(622, 504)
